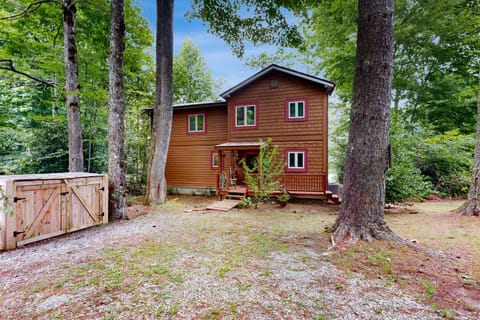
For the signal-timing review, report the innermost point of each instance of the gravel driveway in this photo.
(177, 263)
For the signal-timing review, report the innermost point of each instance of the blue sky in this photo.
(219, 58)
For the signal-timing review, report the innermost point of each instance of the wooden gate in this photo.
(38, 213)
(45, 206)
(85, 205)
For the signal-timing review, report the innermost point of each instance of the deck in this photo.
(298, 186)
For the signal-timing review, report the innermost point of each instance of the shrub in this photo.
(265, 181)
(447, 160)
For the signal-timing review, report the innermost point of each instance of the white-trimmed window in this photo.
(296, 160)
(215, 160)
(245, 116)
(196, 123)
(296, 110)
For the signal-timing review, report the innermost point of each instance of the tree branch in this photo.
(31, 8)
(8, 65)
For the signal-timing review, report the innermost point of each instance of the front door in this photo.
(251, 159)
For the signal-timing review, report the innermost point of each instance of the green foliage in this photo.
(264, 176)
(437, 45)
(429, 287)
(259, 22)
(33, 123)
(192, 81)
(404, 179)
(283, 196)
(447, 160)
(338, 138)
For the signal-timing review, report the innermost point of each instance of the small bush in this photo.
(447, 160)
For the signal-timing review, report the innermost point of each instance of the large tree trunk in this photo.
(472, 206)
(75, 148)
(362, 211)
(163, 110)
(116, 114)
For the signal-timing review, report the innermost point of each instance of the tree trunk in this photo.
(362, 212)
(472, 206)
(75, 148)
(116, 114)
(163, 110)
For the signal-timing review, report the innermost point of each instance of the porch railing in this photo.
(312, 183)
(305, 183)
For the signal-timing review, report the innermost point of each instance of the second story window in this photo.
(196, 123)
(245, 116)
(296, 110)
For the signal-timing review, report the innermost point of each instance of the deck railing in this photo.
(312, 183)
(305, 183)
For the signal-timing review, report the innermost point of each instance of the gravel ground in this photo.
(182, 264)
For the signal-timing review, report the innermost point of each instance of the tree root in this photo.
(469, 209)
(347, 234)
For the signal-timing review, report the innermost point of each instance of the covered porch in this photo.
(230, 180)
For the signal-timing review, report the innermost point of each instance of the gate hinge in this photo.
(64, 193)
(101, 189)
(16, 199)
(16, 233)
(101, 214)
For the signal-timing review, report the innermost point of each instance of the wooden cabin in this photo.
(209, 140)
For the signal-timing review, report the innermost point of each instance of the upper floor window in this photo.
(296, 160)
(246, 116)
(296, 110)
(196, 123)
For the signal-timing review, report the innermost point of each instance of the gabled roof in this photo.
(329, 85)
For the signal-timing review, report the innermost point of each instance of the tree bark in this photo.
(472, 206)
(75, 148)
(362, 211)
(116, 114)
(163, 110)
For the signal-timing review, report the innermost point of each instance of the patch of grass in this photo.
(223, 270)
(244, 286)
(174, 309)
(262, 245)
(95, 281)
(429, 288)
(233, 308)
(113, 279)
(447, 314)
(214, 314)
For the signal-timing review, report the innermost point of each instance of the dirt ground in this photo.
(179, 261)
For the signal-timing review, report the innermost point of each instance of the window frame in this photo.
(194, 132)
(288, 168)
(296, 118)
(212, 160)
(245, 126)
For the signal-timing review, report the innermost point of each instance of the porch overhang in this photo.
(244, 145)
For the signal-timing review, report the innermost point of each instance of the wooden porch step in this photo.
(224, 205)
(235, 196)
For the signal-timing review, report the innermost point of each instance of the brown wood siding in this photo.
(271, 122)
(315, 151)
(188, 162)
